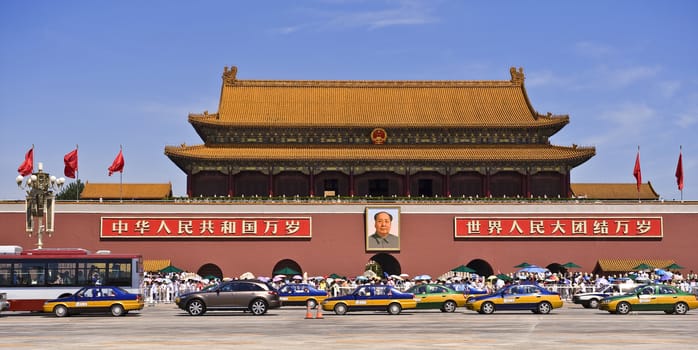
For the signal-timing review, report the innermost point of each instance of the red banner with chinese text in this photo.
(565, 227)
(205, 227)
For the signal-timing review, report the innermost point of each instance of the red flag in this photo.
(118, 164)
(71, 163)
(27, 166)
(637, 172)
(679, 173)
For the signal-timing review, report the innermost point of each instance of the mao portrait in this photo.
(383, 228)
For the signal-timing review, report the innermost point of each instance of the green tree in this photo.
(71, 191)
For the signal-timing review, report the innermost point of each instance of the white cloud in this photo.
(687, 119)
(398, 13)
(593, 49)
(669, 88)
(627, 76)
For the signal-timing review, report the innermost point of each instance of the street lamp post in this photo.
(40, 201)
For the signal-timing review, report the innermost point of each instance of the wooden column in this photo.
(351, 182)
(406, 189)
(311, 190)
(271, 181)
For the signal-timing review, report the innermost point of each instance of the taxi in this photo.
(516, 297)
(301, 294)
(371, 298)
(437, 296)
(99, 299)
(656, 297)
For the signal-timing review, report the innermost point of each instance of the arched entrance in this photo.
(287, 267)
(209, 269)
(481, 267)
(388, 264)
(557, 268)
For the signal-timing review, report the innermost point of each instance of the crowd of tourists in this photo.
(164, 288)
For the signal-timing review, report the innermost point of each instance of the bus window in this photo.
(30, 273)
(5, 274)
(119, 273)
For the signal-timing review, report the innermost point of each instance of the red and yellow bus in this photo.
(30, 277)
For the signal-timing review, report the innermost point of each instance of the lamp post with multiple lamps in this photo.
(40, 201)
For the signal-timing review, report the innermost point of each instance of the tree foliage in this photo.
(71, 191)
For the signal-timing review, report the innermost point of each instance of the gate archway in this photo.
(481, 267)
(210, 270)
(388, 264)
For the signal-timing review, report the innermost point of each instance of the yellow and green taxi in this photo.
(437, 296)
(516, 297)
(371, 298)
(301, 294)
(107, 299)
(657, 297)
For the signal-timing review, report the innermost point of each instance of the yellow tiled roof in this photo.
(313, 103)
(383, 152)
(128, 190)
(614, 191)
(627, 265)
(152, 265)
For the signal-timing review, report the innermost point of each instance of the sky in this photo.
(101, 75)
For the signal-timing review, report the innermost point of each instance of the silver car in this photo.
(246, 295)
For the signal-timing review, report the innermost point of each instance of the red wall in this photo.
(338, 246)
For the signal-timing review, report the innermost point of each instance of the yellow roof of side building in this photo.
(126, 191)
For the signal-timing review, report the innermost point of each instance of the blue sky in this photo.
(101, 74)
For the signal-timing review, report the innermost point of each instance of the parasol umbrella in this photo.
(370, 274)
(492, 277)
(171, 269)
(404, 275)
(247, 276)
(286, 271)
(422, 278)
(534, 269)
(335, 276)
(297, 277)
(674, 266)
(571, 265)
(504, 277)
(462, 268)
(522, 265)
(642, 267)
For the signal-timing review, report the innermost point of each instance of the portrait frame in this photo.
(373, 242)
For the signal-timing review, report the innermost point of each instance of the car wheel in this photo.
(449, 306)
(258, 307)
(680, 308)
(340, 309)
(487, 308)
(196, 307)
(312, 303)
(594, 304)
(60, 311)
(394, 309)
(623, 308)
(544, 308)
(117, 310)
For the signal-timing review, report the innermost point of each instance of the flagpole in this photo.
(77, 178)
(680, 156)
(639, 172)
(121, 179)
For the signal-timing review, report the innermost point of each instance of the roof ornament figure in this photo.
(230, 75)
(517, 77)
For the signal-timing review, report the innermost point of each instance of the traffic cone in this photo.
(318, 312)
(308, 314)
